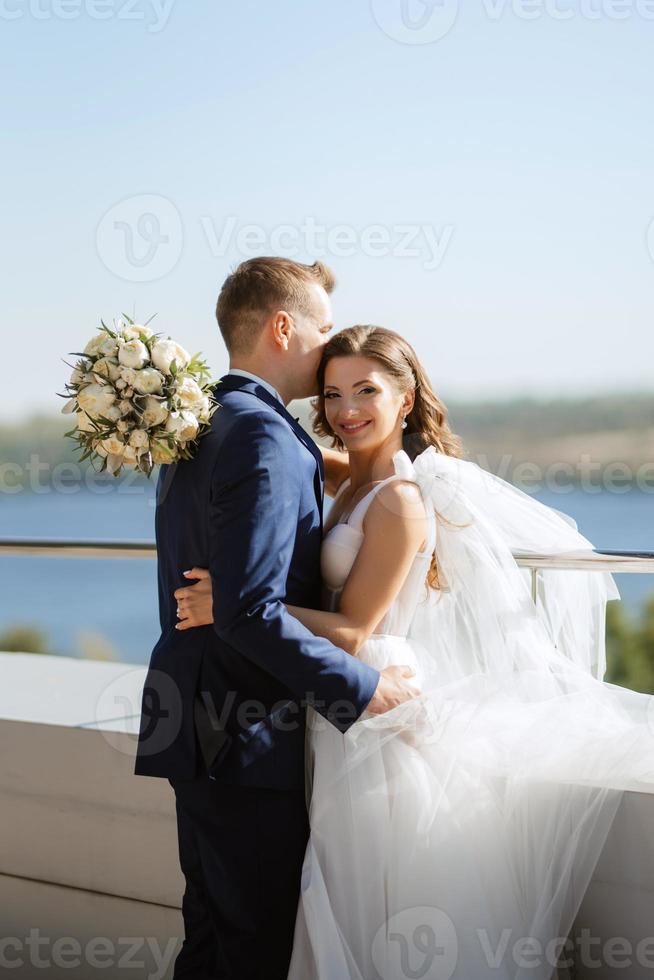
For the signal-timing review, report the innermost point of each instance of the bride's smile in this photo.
(353, 427)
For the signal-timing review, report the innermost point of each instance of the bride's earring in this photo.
(404, 423)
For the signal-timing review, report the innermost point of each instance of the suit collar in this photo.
(236, 382)
(254, 377)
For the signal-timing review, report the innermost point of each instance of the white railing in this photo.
(622, 562)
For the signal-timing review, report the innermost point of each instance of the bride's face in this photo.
(362, 405)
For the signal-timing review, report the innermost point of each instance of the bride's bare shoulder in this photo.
(398, 501)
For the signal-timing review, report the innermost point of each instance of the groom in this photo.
(223, 713)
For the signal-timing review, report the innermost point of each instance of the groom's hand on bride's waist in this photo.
(195, 602)
(195, 608)
(394, 688)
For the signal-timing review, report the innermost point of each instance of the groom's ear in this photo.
(281, 326)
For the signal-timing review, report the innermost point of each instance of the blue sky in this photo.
(487, 192)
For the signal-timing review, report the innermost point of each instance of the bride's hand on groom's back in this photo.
(394, 688)
(195, 602)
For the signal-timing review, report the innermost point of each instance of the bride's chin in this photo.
(362, 445)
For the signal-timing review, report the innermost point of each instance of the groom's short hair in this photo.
(258, 288)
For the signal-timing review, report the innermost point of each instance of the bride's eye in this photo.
(364, 390)
(330, 394)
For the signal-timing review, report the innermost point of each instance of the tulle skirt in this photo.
(455, 836)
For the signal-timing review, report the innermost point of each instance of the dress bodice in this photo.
(340, 547)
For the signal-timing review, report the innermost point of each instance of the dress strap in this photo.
(344, 484)
(356, 517)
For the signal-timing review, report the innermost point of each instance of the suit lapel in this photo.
(233, 382)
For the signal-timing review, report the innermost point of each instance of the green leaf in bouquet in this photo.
(145, 464)
(110, 427)
(114, 464)
(112, 333)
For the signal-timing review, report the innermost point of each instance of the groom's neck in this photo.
(264, 372)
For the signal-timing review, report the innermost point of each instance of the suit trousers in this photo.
(241, 850)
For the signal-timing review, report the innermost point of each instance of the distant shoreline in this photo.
(594, 442)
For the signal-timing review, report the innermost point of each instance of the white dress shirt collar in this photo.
(260, 381)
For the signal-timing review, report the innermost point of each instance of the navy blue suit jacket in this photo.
(248, 506)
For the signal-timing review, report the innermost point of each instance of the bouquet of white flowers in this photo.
(139, 398)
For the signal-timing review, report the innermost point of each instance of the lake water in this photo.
(87, 607)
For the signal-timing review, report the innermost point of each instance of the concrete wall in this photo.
(89, 876)
(88, 851)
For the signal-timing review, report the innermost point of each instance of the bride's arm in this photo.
(337, 469)
(395, 528)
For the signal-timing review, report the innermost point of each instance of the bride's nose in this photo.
(348, 408)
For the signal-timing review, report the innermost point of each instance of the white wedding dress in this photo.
(454, 836)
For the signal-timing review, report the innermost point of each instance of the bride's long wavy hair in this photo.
(427, 423)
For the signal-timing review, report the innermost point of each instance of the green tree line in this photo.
(630, 647)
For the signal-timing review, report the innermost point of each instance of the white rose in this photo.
(113, 446)
(136, 331)
(183, 425)
(189, 393)
(165, 352)
(129, 456)
(79, 375)
(92, 349)
(84, 423)
(121, 384)
(113, 413)
(127, 375)
(139, 440)
(101, 345)
(133, 354)
(125, 407)
(96, 399)
(122, 426)
(154, 412)
(201, 410)
(107, 367)
(162, 453)
(147, 382)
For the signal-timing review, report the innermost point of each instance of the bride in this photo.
(454, 836)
